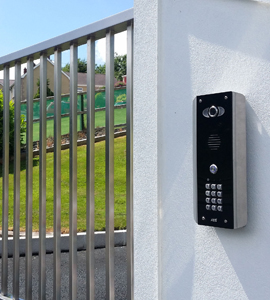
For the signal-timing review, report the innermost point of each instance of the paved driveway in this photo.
(100, 290)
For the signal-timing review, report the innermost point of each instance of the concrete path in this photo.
(100, 288)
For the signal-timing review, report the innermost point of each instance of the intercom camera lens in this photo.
(213, 111)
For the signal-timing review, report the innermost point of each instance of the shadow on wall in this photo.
(253, 241)
(218, 46)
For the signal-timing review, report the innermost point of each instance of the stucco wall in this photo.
(145, 162)
(183, 49)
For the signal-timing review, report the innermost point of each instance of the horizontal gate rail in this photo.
(87, 35)
(117, 22)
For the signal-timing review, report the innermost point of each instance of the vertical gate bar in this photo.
(29, 178)
(90, 174)
(42, 176)
(82, 115)
(110, 164)
(129, 162)
(17, 163)
(73, 173)
(5, 183)
(57, 175)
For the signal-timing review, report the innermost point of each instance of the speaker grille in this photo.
(214, 141)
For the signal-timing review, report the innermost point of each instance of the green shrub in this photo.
(121, 98)
(11, 126)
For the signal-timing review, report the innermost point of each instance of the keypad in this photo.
(213, 193)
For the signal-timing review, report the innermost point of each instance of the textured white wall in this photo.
(183, 49)
(145, 150)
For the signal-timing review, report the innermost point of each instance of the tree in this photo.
(82, 66)
(11, 126)
(101, 69)
(49, 91)
(120, 67)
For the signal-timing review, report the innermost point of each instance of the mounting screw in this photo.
(200, 100)
(226, 97)
(225, 221)
(203, 218)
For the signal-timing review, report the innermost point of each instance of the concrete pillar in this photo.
(183, 49)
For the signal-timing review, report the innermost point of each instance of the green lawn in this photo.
(120, 189)
(119, 118)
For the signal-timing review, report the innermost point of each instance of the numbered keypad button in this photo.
(213, 186)
(214, 200)
(207, 193)
(208, 207)
(219, 208)
(219, 201)
(219, 194)
(207, 186)
(219, 187)
(208, 200)
(214, 207)
(213, 193)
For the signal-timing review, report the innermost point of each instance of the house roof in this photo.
(100, 79)
(36, 66)
(11, 82)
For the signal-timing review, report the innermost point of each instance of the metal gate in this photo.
(86, 35)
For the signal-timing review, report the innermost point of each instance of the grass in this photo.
(119, 118)
(120, 189)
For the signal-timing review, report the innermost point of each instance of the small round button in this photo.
(213, 169)
(213, 111)
(219, 201)
(214, 207)
(219, 208)
(207, 200)
(214, 200)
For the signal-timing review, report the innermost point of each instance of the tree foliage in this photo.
(11, 126)
(82, 66)
(49, 91)
(100, 69)
(120, 67)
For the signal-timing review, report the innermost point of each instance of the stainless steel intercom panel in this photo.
(220, 190)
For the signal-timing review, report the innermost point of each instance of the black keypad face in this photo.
(210, 191)
(214, 161)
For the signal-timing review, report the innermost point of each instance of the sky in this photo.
(29, 22)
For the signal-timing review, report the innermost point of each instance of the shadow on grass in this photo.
(23, 165)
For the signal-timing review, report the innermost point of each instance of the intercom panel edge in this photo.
(239, 160)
